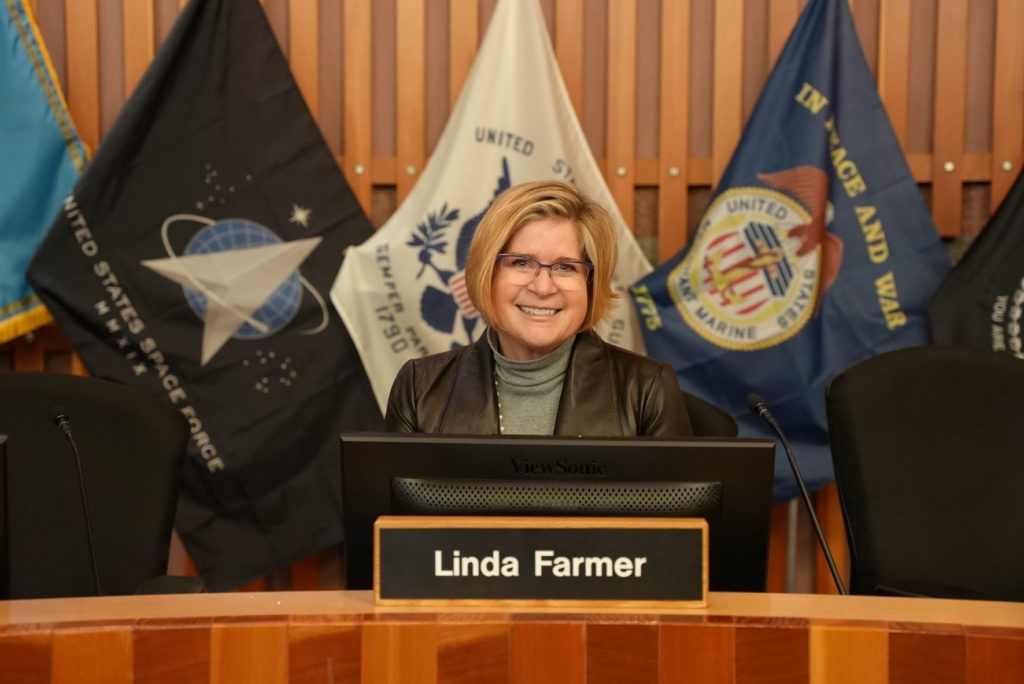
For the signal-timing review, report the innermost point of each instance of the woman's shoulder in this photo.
(435, 364)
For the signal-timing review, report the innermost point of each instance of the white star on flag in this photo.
(300, 215)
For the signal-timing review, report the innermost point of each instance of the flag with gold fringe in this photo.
(42, 158)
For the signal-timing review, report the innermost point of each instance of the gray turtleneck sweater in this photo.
(528, 391)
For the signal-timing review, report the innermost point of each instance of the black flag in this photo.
(193, 260)
(980, 303)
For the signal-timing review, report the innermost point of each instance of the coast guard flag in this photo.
(193, 260)
(42, 157)
(402, 293)
(815, 251)
(980, 303)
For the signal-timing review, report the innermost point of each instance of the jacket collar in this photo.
(587, 394)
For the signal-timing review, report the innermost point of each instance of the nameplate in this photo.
(541, 561)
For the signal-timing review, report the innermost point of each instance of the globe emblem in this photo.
(234, 234)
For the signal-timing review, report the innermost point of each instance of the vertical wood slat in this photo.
(139, 40)
(830, 516)
(674, 134)
(843, 654)
(894, 63)
(621, 130)
(463, 32)
(548, 652)
(778, 549)
(304, 50)
(782, 16)
(251, 652)
(75, 658)
(410, 133)
(83, 87)
(405, 653)
(358, 99)
(948, 136)
(727, 95)
(1008, 99)
(569, 49)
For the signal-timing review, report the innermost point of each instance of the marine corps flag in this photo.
(193, 260)
(980, 302)
(815, 251)
(403, 292)
(42, 157)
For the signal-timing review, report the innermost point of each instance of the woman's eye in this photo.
(563, 267)
(522, 263)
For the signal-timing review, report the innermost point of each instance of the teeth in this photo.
(538, 312)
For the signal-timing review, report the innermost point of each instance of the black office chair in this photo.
(929, 462)
(132, 448)
(707, 419)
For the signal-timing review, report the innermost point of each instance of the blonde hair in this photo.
(528, 202)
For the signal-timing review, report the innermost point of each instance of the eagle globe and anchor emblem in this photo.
(759, 262)
(240, 278)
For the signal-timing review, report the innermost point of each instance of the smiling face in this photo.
(533, 319)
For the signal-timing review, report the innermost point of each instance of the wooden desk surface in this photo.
(330, 636)
(21, 615)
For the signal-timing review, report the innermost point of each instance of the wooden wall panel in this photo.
(948, 144)
(304, 50)
(358, 99)
(139, 40)
(1008, 99)
(620, 170)
(83, 86)
(727, 86)
(782, 15)
(569, 48)
(893, 63)
(463, 32)
(410, 135)
(673, 151)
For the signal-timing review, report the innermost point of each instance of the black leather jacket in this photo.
(608, 391)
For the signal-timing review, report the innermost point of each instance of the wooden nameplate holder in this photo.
(611, 562)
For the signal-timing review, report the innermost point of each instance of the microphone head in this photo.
(755, 402)
(60, 416)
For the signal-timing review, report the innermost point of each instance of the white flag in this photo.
(402, 293)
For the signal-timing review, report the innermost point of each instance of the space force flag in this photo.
(981, 303)
(816, 249)
(42, 157)
(193, 260)
(402, 293)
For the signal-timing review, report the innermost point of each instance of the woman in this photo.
(539, 271)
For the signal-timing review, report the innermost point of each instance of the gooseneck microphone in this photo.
(64, 423)
(757, 405)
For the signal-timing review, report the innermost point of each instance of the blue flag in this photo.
(42, 157)
(816, 250)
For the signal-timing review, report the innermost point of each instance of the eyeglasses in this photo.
(565, 273)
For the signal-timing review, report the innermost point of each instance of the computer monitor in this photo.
(739, 470)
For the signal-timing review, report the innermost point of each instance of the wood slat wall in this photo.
(662, 89)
